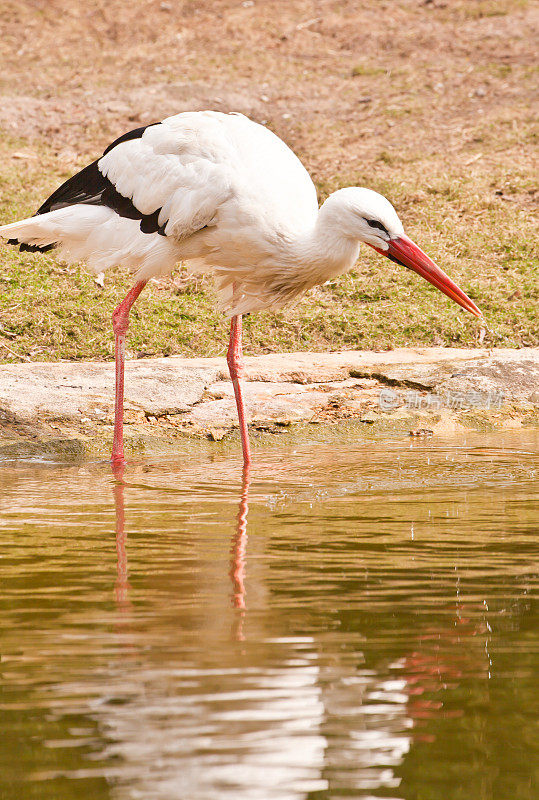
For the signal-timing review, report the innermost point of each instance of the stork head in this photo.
(370, 217)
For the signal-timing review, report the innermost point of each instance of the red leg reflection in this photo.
(238, 556)
(121, 588)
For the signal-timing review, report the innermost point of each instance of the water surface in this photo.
(351, 620)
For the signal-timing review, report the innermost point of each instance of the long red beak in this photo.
(404, 251)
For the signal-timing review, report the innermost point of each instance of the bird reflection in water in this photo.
(238, 551)
(444, 657)
(121, 589)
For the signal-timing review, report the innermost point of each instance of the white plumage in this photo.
(227, 197)
(234, 201)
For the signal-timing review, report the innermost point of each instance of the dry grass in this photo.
(430, 103)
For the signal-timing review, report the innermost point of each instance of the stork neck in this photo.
(326, 248)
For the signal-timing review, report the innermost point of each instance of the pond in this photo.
(353, 619)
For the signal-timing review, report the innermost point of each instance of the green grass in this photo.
(365, 69)
(486, 242)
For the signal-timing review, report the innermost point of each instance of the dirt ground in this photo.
(342, 82)
(428, 101)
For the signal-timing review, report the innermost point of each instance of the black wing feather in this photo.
(90, 187)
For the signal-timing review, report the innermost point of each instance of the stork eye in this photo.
(373, 223)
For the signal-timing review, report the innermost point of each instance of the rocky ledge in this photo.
(407, 390)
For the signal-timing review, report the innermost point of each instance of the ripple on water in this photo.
(359, 621)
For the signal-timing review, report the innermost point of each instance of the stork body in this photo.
(227, 197)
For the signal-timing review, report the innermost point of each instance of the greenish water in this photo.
(358, 622)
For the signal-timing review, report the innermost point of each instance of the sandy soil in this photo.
(345, 83)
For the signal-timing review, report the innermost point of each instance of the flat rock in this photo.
(59, 391)
(170, 397)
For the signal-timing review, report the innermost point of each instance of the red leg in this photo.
(120, 324)
(235, 365)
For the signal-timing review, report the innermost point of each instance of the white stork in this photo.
(228, 197)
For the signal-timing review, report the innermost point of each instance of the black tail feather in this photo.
(32, 248)
(91, 187)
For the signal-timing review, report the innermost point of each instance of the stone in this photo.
(167, 398)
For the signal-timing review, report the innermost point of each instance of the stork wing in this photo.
(173, 181)
(157, 174)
